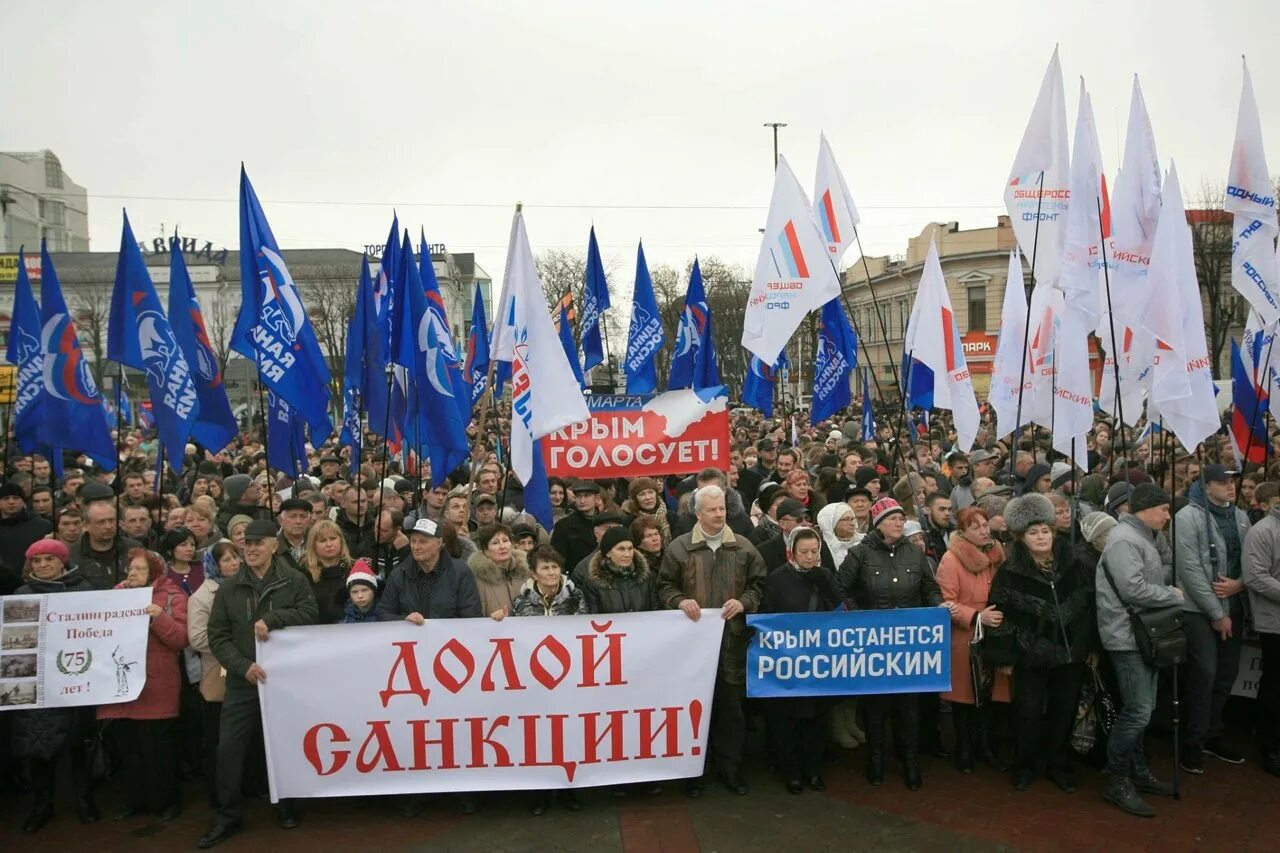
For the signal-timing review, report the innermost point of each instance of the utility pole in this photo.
(775, 125)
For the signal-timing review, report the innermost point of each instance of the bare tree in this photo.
(91, 307)
(219, 320)
(331, 304)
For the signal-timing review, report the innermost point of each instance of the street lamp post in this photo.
(775, 125)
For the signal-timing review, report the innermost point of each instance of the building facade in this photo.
(38, 201)
(975, 264)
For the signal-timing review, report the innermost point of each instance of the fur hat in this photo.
(639, 484)
(1034, 508)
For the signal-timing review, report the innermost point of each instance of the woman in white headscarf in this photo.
(839, 529)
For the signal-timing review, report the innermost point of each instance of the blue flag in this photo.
(595, 301)
(118, 402)
(502, 373)
(384, 405)
(272, 328)
(836, 360)
(422, 347)
(73, 415)
(145, 419)
(476, 366)
(757, 390)
(868, 415)
(918, 378)
(24, 352)
(646, 337)
(362, 334)
(438, 315)
(286, 439)
(566, 341)
(694, 364)
(215, 425)
(139, 336)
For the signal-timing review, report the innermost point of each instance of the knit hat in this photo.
(1146, 496)
(11, 489)
(1034, 473)
(1095, 524)
(865, 475)
(1060, 473)
(235, 486)
(612, 537)
(52, 547)
(911, 528)
(766, 495)
(362, 572)
(883, 508)
(639, 484)
(1116, 495)
(1033, 508)
(237, 519)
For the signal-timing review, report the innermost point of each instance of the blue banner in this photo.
(849, 653)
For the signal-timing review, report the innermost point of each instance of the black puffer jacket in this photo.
(17, 533)
(574, 537)
(1048, 618)
(44, 733)
(606, 589)
(878, 576)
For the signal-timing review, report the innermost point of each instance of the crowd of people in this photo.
(1042, 566)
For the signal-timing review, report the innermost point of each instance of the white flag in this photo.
(1072, 412)
(545, 395)
(933, 338)
(1181, 384)
(1252, 198)
(1081, 274)
(1136, 348)
(794, 273)
(1047, 305)
(1135, 207)
(1039, 183)
(834, 209)
(1010, 372)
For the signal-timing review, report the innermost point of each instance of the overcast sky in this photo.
(644, 118)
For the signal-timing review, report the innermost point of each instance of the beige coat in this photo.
(213, 680)
(498, 588)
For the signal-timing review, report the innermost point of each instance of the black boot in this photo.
(42, 788)
(963, 718)
(875, 747)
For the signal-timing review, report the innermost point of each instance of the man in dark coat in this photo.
(18, 529)
(265, 595)
(574, 535)
(429, 584)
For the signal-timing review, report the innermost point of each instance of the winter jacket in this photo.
(879, 576)
(608, 589)
(330, 592)
(352, 615)
(1048, 618)
(1261, 564)
(17, 533)
(454, 595)
(360, 538)
(1139, 572)
(45, 732)
(531, 602)
(498, 587)
(199, 606)
(574, 537)
(692, 570)
(282, 600)
(1203, 552)
(102, 569)
(964, 577)
(790, 589)
(166, 637)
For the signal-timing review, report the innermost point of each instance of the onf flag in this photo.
(1251, 197)
(794, 271)
(836, 213)
(139, 336)
(272, 329)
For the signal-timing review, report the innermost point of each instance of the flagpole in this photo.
(888, 350)
(1111, 321)
(262, 410)
(386, 454)
(8, 422)
(119, 482)
(1026, 334)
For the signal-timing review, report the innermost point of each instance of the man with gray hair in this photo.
(711, 566)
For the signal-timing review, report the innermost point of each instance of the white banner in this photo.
(472, 704)
(73, 648)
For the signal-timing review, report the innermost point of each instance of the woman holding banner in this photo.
(964, 576)
(500, 569)
(43, 735)
(1047, 600)
(145, 730)
(798, 724)
(886, 572)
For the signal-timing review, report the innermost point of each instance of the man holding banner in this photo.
(712, 567)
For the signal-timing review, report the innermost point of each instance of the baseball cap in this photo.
(426, 527)
(260, 529)
(792, 508)
(1216, 473)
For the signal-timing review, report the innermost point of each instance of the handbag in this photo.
(1157, 631)
(1095, 714)
(981, 676)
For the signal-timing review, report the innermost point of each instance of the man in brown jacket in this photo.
(711, 567)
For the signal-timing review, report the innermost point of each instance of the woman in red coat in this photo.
(145, 729)
(964, 576)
